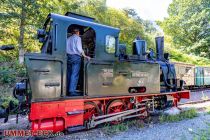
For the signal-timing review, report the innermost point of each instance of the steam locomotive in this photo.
(114, 86)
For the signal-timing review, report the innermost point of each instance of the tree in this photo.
(24, 17)
(189, 26)
(18, 14)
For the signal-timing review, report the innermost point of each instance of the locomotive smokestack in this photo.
(139, 48)
(159, 48)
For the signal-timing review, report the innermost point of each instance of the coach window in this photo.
(110, 44)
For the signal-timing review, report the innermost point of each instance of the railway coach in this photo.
(193, 76)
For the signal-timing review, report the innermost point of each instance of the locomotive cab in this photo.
(48, 70)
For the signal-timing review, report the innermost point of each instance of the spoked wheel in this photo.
(91, 109)
(116, 106)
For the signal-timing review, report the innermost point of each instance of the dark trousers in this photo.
(74, 62)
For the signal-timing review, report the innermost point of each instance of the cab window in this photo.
(110, 44)
(47, 43)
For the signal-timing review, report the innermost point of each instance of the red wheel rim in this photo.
(90, 110)
(115, 107)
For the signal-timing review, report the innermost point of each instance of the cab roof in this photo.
(90, 23)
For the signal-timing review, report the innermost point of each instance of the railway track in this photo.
(199, 89)
(197, 96)
(194, 102)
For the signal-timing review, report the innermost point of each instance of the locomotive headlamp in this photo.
(19, 90)
(20, 87)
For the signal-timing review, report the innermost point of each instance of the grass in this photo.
(202, 134)
(113, 129)
(188, 114)
(207, 109)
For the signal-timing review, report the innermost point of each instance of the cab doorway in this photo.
(88, 36)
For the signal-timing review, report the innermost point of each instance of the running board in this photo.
(115, 116)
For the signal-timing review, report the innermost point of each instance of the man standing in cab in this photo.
(74, 54)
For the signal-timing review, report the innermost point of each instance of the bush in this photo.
(9, 72)
(6, 99)
(7, 76)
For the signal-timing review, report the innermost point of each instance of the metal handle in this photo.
(41, 70)
(55, 48)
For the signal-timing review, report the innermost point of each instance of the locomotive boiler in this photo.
(114, 86)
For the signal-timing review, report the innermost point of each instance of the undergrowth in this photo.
(113, 129)
(188, 114)
(10, 73)
(201, 134)
(207, 109)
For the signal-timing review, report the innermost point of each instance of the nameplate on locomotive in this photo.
(138, 74)
(107, 73)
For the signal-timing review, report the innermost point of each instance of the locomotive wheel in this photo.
(114, 107)
(91, 109)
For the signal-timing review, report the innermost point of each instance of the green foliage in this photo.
(188, 25)
(177, 55)
(6, 99)
(136, 123)
(6, 75)
(202, 134)
(113, 129)
(10, 71)
(189, 114)
(207, 109)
